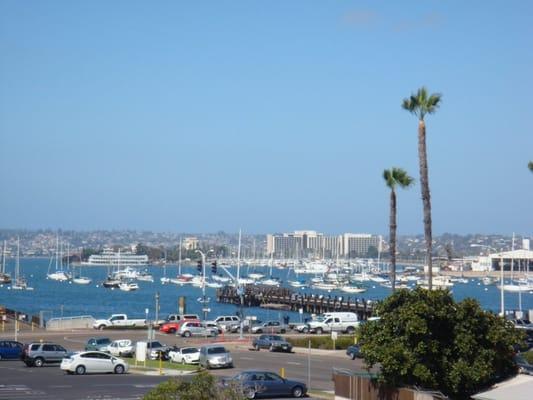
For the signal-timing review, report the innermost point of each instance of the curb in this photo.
(164, 371)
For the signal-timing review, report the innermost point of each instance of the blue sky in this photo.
(266, 115)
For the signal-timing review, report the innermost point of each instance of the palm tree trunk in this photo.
(426, 199)
(392, 226)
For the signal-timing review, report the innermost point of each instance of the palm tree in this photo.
(395, 177)
(421, 104)
(530, 166)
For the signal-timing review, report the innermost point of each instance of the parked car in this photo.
(119, 320)
(271, 342)
(523, 324)
(185, 355)
(226, 321)
(93, 362)
(38, 354)
(174, 326)
(181, 317)
(122, 347)
(215, 356)
(265, 383)
(97, 344)
(9, 349)
(269, 327)
(353, 351)
(524, 367)
(247, 324)
(155, 349)
(193, 328)
(335, 321)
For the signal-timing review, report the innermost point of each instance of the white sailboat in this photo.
(128, 286)
(352, 289)
(5, 278)
(59, 274)
(20, 282)
(78, 279)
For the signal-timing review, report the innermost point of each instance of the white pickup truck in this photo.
(118, 320)
(335, 321)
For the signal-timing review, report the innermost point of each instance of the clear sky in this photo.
(267, 115)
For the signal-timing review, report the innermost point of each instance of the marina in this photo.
(103, 296)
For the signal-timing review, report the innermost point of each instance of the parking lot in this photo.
(20, 382)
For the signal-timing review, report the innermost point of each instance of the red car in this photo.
(174, 326)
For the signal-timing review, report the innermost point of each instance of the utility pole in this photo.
(156, 307)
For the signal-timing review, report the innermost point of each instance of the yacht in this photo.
(20, 282)
(111, 283)
(81, 280)
(298, 284)
(324, 286)
(214, 285)
(352, 289)
(221, 279)
(128, 286)
(270, 282)
(145, 276)
(111, 258)
(312, 268)
(59, 274)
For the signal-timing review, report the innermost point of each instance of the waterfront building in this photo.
(190, 243)
(517, 260)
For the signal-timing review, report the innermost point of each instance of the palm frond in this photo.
(389, 178)
(422, 103)
(530, 166)
(402, 178)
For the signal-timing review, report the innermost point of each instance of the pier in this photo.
(276, 298)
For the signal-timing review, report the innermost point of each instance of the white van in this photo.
(345, 322)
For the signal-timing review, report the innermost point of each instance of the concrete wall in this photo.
(67, 323)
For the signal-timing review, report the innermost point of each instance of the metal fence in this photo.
(65, 323)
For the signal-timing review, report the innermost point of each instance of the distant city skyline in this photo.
(270, 117)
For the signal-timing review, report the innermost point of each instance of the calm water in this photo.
(63, 298)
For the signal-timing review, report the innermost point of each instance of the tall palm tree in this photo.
(420, 104)
(530, 166)
(394, 177)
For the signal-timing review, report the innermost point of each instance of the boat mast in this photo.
(4, 259)
(17, 265)
(239, 259)
(179, 259)
(57, 250)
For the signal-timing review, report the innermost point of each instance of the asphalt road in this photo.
(19, 382)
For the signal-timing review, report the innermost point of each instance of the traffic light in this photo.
(199, 265)
(214, 267)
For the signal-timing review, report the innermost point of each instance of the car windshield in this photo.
(156, 344)
(189, 350)
(103, 341)
(216, 350)
(277, 338)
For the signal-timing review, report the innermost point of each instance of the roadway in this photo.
(21, 382)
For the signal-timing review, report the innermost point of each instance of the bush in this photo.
(203, 386)
(528, 356)
(425, 338)
(323, 342)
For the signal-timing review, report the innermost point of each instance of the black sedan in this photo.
(264, 383)
(353, 351)
(271, 342)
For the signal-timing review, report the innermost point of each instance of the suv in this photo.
(37, 354)
(194, 328)
(181, 317)
(98, 344)
(226, 321)
(10, 349)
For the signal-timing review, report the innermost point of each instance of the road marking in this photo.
(293, 363)
(60, 386)
(246, 358)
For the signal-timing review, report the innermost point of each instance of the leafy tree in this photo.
(421, 104)
(203, 386)
(530, 166)
(425, 338)
(394, 177)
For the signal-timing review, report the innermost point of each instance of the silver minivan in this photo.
(193, 328)
(215, 356)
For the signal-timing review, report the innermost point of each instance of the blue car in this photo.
(9, 349)
(256, 384)
(353, 351)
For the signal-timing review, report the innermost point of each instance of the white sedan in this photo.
(185, 355)
(93, 362)
(122, 347)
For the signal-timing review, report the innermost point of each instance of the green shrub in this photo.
(528, 355)
(323, 342)
(203, 386)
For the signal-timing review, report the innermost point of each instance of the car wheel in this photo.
(271, 348)
(249, 393)
(283, 331)
(297, 391)
(172, 330)
(38, 362)
(186, 334)
(119, 369)
(101, 327)
(350, 330)
(259, 331)
(352, 356)
(207, 366)
(80, 370)
(305, 330)
(319, 331)
(256, 347)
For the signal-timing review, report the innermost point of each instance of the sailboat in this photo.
(81, 280)
(20, 281)
(271, 281)
(182, 279)
(58, 274)
(4, 276)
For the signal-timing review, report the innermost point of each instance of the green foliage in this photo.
(397, 177)
(422, 103)
(425, 338)
(322, 342)
(203, 386)
(530, 166)
(528, 356)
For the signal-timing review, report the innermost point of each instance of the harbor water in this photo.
(56, 299)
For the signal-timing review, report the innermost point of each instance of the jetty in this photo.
(277, 298)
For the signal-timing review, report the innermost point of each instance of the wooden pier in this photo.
(285, 299)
